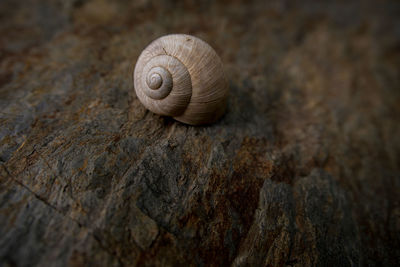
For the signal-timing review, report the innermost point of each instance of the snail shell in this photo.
(181, 76)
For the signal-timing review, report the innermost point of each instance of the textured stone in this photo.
(303, 170)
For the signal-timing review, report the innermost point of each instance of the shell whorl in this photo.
(159, 81)
(158, 77)
(181, 76)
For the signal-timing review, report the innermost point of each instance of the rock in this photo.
(303, 169)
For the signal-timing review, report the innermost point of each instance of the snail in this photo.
(181, 76)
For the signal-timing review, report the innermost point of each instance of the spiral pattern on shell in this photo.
(181, 76)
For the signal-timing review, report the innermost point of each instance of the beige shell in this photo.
(181, 76)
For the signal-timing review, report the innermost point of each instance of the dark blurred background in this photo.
(303, 170)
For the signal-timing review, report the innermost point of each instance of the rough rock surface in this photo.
(303, 170)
